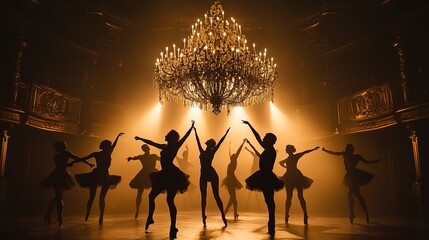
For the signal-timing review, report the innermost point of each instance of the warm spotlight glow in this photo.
(151, 119)
(279, 122)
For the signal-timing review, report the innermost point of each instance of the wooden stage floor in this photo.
(249, 226)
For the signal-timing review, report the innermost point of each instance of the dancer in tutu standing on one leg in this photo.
(60, 180)
(170, 178)
(264, 179)
(142, 180)
(231, 182)
(354, 177)
(100, 176)
(293, 178)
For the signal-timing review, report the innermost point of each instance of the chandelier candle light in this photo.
(215, 70)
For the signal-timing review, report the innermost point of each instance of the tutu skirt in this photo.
(59, 179)
(170, 179)
(231, 182)
(97, 178)
(295, 179)
(142, 179)
(260, 181)
(357, 178)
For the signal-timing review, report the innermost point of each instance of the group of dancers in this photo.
(171, 179)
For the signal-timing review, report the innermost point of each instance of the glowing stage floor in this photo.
(249, 226)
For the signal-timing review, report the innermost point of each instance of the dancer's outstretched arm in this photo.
(78, 159)
(220, 141)
(183, 139)
(116, 141)
(369, 161)
(332, 152)
(239, 149)
(150, 142)
(254, 149)
(257, 136)
(309, 150)
(200, 148)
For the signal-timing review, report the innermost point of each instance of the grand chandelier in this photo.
(215, 70)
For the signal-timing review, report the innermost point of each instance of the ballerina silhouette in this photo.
(264, 179)
(354, 178)
(142, 180)
(208, 174)
(231, 182)
(293, 178)
(170, 178)
(60, 180)
(184, 163)
(100, 176)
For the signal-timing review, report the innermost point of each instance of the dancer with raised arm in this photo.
(100, 176)
(60, 180)
(293, 178)
(264, 179)
(231, 182)
(142, 180)
(170, 179)
(354, 177)
(208, 174)
(184, 163)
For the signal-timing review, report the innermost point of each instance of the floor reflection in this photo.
(250, 226)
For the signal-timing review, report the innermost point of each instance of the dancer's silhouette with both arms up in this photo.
(293, 178)
(231, 182)
(264, 179)
(142, 179)
(208, 174)
(354, 177)
(60, 180)
(100, 176)
(170, 178)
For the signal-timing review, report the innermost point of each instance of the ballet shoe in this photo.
(86, 217)
(367, 219)
(236, 216)
(136, 215)
(173, 233)
(149, 221)
(47, 219)
(60, 221)
(100, 220)
(287, 219)
(305, 219)
(204, 220)
(351, 217)
(224, 220)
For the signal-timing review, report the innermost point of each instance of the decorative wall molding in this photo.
(51, 125)
(51, 110)
(11, 115)
(52, 104)
(414, 113)
(366, 110)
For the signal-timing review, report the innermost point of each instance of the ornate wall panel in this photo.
(11, 115)
(414, 113)
(366, 110)
(52, 110)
